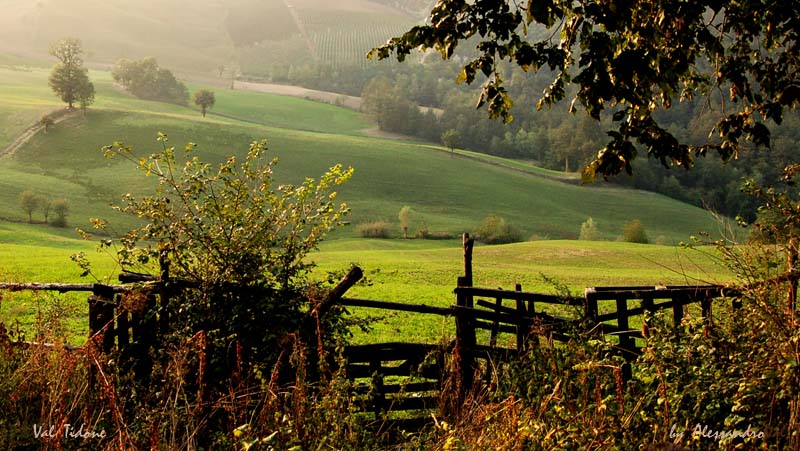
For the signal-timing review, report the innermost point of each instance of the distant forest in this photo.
(555, 139)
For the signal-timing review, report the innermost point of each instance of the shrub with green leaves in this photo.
(495, 230)
(405, 219)
(589, 231)
(61, 208)
(238, 237)
(231, 246)
(635, 232)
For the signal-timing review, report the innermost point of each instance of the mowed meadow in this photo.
(447, 193)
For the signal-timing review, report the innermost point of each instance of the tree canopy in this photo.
(204, 99)
(629, 60)
(69, 79)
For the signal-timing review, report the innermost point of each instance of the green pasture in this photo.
(411, 271)
(446, 192)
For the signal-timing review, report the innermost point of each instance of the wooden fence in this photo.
(492, 326)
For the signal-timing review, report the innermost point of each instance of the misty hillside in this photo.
(244, 36)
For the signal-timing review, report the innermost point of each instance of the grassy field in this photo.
(411, 271)
(447, 192)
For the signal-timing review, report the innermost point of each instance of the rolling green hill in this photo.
(446, 192)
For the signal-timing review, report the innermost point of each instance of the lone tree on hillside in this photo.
(69, 79)
(405, 219)
(629, 60)
(205, 99)
(451, 139)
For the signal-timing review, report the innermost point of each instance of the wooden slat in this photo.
(412, 387)
(680, 301)
(358, 371)
(399, 306)
(62, 287)
(388, 351)
(695, 292)
(502, 328)
(412, 403)
(495, 324)
(514, 313)
(519, 295)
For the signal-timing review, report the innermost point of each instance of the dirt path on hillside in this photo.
(57, 115)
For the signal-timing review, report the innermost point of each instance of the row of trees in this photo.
(31, 202)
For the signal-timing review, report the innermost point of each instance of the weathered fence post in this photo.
(590, 304)
(495, 324)
(378, 395)
(165, 292)
(677, 310)
(465, 329)
(468, 244)
(523, 329)
(101, 315)
(626, 342)
(705, 306)
(101, 321)
(465, 344)
(143, 328)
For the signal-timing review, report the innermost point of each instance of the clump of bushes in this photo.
(31, 202)
(146, 80)
(495, 230)
(635, 232)
(374, 229)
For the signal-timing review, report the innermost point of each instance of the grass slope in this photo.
(446, 192)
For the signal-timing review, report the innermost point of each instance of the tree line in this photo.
(31, 202)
